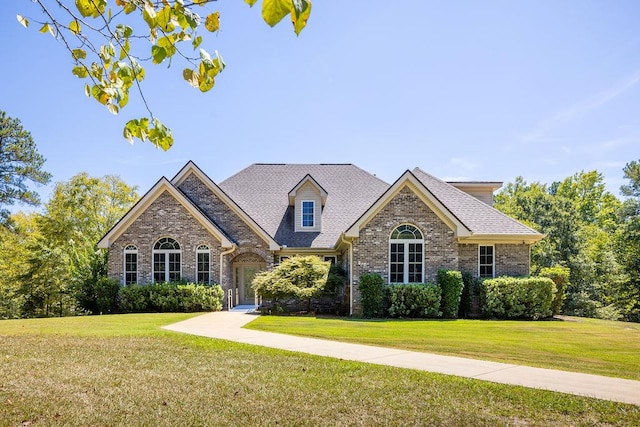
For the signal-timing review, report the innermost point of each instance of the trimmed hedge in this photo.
(451, 284)
(560, 276)
(170, 297)
(415, 300)
(518, 298)
(370, 286)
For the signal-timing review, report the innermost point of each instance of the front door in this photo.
(244, 276)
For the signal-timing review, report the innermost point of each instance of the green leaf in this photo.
(274, 10)
(74, 26)
(23, 21)
(164, 17)
(190, 77)
(80, 71)
(212, 23)
(78, 54)
(87, 90)
(196, 42)
(158, 53)
(125, 50)
(149, 15)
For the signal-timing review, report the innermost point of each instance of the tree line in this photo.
(588, 231)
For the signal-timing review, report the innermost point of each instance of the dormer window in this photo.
(308, 213)
(307, 198)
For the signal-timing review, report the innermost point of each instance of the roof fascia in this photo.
(191, 167)
(151, 196)
(527, 239)
(408, 179)
(307, 178)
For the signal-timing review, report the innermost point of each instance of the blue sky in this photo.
(467, 90)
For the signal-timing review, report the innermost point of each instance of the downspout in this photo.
(350, 244)
(222, 254)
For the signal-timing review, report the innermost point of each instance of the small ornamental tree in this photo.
(301, 277)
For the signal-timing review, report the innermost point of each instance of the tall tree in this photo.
(64, 258)
(109, 48)
(628, 243)
(15, 241)
(20, 165)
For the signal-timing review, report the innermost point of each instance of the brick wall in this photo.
(512, 260)
(166, 217)
(371, 249)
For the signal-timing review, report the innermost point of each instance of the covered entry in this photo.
(245, 267)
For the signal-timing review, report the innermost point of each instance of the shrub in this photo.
(415, 300)
(134, 298)
(451, 285)
(370, 286)
(512, 298)
(195, 298)
(106, 294)
(560, 277)
(171, 297)
(98, 296)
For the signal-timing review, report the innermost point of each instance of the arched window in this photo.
(166, 260)
(130, 264)
(406, 255)
(202, 264)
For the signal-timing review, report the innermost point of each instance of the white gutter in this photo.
(350, 273)
(222, 254)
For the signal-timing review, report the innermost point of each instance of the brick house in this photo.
(194, 229)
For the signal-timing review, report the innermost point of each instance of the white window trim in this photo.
(199, 250)
(313, 205)
(493, 260)
(124, 262)
(406, 243)
(166, 260)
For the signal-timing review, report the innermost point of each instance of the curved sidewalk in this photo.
(228, 326)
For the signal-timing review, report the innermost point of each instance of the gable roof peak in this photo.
(307, 179)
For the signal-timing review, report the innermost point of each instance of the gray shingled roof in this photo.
(477, 216)
(261, 190)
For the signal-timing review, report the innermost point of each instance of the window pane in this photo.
(485, 261)
(203, 267)
(174, 267)
(130, 268)
(159, 267)
(307, 213)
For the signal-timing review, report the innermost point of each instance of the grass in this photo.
(124, 370)
(575, 344)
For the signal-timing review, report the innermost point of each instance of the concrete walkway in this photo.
(228, 326)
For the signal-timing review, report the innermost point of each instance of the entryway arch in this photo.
(244, 268)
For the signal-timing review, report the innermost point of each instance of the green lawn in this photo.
(124, 370)
(575, 344)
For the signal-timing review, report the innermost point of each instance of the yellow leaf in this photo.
(212, 23)
(47, 27)
(74, 26)
(23, 21)
(299, 17)
(250, 2)
(274, 10)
